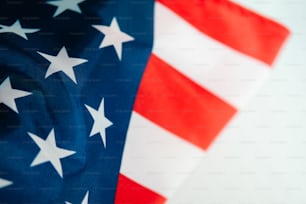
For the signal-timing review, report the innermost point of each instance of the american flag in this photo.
(117, 101)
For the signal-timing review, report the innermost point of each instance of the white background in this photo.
(261, 156)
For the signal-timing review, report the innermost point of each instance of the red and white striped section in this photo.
(209, 58)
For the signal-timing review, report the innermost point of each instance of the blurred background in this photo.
(261, 156)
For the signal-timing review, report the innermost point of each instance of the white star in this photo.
(8, 95)
(85, 199)
(49, 152)
(5, 183)
(17, 29)
(62, 62)
(113, 36)
(100, 121)
(63, 5)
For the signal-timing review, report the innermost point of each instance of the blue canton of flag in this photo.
(69, 72)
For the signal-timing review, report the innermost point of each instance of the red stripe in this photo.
(233, 25)
(177, 104)
(130, 192)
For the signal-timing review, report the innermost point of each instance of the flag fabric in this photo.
(69, 72)
(209, 57)
(90, 113)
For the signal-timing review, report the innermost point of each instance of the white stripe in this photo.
(205, 60)
(155, 158)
